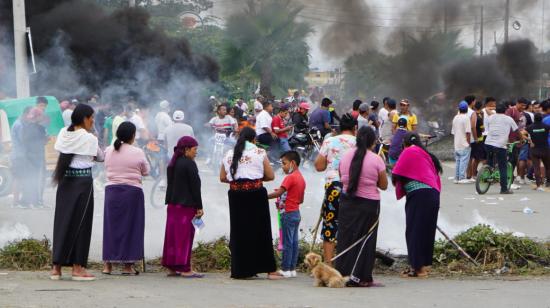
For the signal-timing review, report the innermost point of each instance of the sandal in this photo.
(275, 276)
(55, 277)
(176, 274)
(85, 277)
(194, 275)
(134, 273)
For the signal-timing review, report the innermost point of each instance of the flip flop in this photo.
(88, 277)
(194, 275)
(134, 273)
(173, 275)
(55, 277)
(106, 273)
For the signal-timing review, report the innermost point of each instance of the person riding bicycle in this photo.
(223, 123)
(498, 129)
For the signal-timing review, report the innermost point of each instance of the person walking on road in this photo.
(462, 131)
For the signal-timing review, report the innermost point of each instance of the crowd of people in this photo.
(484, 130)
(354, 174)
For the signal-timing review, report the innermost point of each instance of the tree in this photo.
(267, 40)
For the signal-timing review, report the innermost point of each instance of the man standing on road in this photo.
(404, 111)
(386, 115)
(175, 131)
(498, 128)
(320, 117)
(462, 136)
(540, 150)
(163, 119)
(471, 101)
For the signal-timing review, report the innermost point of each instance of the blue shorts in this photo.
(524, 152)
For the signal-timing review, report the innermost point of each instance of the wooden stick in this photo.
(316, 230)
(464, 253)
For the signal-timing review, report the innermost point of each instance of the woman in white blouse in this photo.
(74, 209)
(245, 169)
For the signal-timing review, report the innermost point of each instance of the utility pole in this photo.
(481, 33)
(506, 20)
(20, 46)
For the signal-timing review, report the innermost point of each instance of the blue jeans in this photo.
(290, 222)
(462, 157)
(283, 145)
(502, 161)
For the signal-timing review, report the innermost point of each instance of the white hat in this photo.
(178, 115)
(164, 104)
(212, 97)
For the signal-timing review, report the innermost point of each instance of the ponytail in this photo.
(117, 144)
(365, 139)
(246, 134)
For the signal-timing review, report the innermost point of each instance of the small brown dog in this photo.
(325, 276)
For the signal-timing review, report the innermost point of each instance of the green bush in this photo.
(493, 249)
(26, 254)
(212, 256)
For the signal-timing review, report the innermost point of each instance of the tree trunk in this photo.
(265, 79)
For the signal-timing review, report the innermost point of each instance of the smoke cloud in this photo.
(80, 47)
(505, 74)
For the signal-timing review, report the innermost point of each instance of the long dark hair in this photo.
(413, 139)
(81, 112)
(246, 134)
(125, 133)
(366, 137)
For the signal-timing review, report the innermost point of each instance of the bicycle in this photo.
(154, 155)
(488, 175)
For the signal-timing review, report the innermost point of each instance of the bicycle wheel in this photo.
(483, 181)
(510, 175)
(158, 194)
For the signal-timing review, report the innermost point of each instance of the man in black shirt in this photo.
(540, 150)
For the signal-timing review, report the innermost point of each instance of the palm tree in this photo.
(267, 40)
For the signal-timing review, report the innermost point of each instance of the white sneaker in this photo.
(521, 182)
(540, 188)
(293, 274)
(472, 180)
(515, 187)
(286, 274)
(464, 181)
(455, 181)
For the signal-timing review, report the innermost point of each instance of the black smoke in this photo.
(505, 74)
(81, 47)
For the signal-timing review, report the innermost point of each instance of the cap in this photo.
(364, 107)
(74, 101)
(402, 122)
(305, 106)
(463, 106)
(164, 104)
(178, 115)
(212, 97)
(404, 102)
(283, 107)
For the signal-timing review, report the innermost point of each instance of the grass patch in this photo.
(26, 254)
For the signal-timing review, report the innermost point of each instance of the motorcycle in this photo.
(223, 140)
(307, 142)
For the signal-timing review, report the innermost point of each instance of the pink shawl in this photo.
(414, 163)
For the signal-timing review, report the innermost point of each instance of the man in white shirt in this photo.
(175, 131)
(462, 132)
(163, 119)
(141, 130)
(498, 129)
(264, 134)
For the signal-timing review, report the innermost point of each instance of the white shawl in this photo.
(79, 142)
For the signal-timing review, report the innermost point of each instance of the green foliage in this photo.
(26, 254)
(268, 44)
(492, 249)
(212, 256)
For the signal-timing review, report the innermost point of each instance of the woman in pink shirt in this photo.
(124, 213)
(362, 173)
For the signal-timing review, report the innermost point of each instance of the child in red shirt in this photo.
(291, 194)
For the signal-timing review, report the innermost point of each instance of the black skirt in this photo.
(356, 217)
(421, 212)
(74, 213)
(250, 239)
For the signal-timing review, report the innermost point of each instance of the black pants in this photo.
(538, 156)
(500, 155)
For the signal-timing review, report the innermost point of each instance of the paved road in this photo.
(27, 289)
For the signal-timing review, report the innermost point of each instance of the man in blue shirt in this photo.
(320, 117)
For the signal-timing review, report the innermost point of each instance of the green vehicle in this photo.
(488, 175)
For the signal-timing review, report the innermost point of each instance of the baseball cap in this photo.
(404, 102)
(402, 122)
(364, 107)
(164, 104)
(463, 106)
(305, 106)
(178, 115)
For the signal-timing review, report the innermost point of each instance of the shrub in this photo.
(26, 254)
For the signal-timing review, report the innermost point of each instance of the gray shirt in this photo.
(173, 133)
(498, 129)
